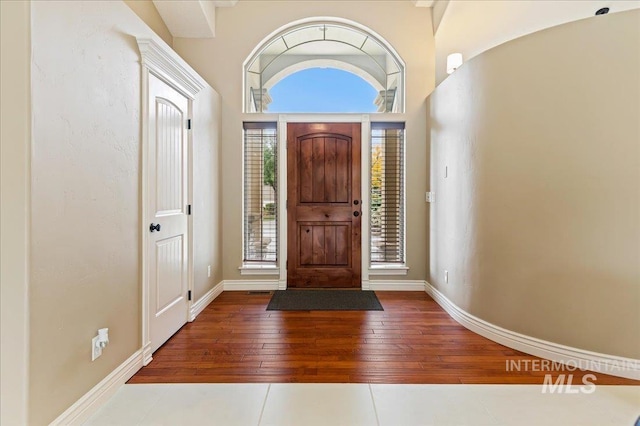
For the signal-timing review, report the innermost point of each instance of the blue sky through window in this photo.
(322, 90)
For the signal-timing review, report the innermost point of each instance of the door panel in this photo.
(169, 168)
(322, 244)
(169, 282)
(167, 182)
(323, 195)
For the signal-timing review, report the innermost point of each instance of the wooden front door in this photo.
(323, 205)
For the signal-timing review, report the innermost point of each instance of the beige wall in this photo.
(15, 128)
(241, 28)
(206, 189)
(146, 10)
(85, 262)
(472, 27)
(538, 222)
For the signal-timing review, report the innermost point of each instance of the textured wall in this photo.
(15, 63)
(241, 28)
(538, 221)
(85, 248)
(206, 189)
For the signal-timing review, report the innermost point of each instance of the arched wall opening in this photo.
(324, 43)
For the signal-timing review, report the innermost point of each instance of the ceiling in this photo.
(197, 18)
(191, 18)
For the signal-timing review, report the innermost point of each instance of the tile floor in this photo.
(363, 404)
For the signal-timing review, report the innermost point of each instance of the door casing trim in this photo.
(168, 67)
(365, 135)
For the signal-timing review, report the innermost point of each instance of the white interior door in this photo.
(167, 204)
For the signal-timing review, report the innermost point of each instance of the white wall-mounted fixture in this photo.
(454, 61)
(431, 197)
(99, 342)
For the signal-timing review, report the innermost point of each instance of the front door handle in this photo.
(356, 214)
(154, 227)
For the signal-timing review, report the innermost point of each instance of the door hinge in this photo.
(189, 209)
(286, 264)
(188, 124)
(286, 204)
(189, 294)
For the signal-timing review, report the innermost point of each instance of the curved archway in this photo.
(324, 43)
(322, 63)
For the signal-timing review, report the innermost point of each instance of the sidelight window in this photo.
(387, 194)
(260, 209)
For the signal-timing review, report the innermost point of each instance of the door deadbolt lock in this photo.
(356, 214)
(356, 202)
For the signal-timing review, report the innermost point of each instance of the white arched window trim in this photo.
(322, 63)
(332, 62)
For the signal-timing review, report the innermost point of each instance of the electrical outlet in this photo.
(430, 197)
(446, 276)
(96, 350)
(209, 271)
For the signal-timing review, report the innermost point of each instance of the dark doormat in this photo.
(324, 300)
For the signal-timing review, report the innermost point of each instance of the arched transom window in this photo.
(324, 43)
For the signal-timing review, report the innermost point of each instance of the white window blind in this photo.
(260, 215)
(387, 194)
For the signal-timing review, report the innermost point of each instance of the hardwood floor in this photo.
(235, 339)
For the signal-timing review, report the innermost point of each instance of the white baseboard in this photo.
(396, 285)
(250, 285)
(100, 393)
(594, 361)
(378, 285)
(147, 354)
(204, 301)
